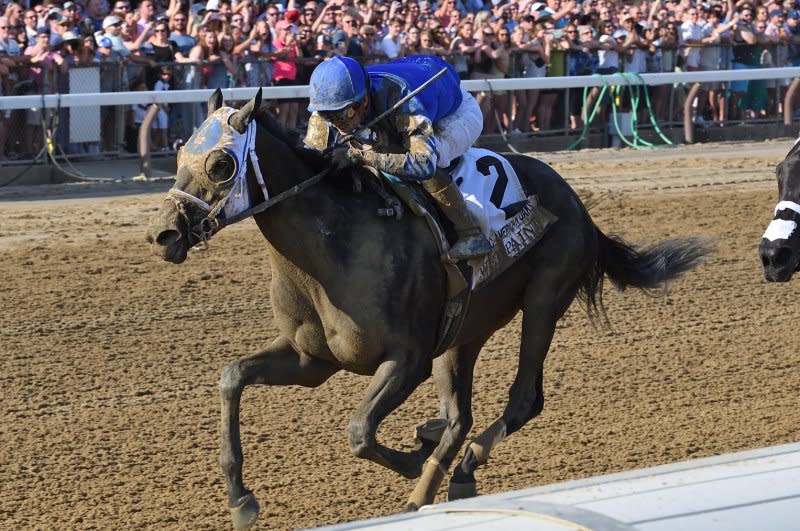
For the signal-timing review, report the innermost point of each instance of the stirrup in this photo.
(469, 246)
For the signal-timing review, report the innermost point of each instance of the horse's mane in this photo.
(291, 137)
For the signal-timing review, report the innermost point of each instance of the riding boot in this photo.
(471, 241)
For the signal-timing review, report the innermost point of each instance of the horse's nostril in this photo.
(167, 237)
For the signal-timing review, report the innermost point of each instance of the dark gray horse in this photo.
(780, 245)
(355, 292)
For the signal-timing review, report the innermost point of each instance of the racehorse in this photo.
(780, 244)
(352, 291)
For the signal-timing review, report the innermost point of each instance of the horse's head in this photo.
(211, 181)
(780, 245)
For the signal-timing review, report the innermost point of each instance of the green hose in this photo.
(635, 84)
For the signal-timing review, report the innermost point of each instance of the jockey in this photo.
(434, 128)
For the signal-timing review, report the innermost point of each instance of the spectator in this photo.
(46, 64)
(178, 35)
(160, 49)
(285, 74)
(690, 37)
(711, 59)
(325, 23)
(324, 47)
(31, 20)
(428, 45)
(346, 40)
(581, 61)
(161, 122)
(530, 58)
(97, 11)
(463, 48)
(120, 9)
(258, 49)
(411, 44)
(368, 37)
(744, 47)
(146, 21)
(72, 15)
(13, 13)
(392, 45)
(216, 64)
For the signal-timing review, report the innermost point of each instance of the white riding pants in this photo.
(456, 133)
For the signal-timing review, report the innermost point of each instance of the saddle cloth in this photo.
(512, 220)
(489, 184)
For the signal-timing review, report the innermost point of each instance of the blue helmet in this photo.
(336, 83)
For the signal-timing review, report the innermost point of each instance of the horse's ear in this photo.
(242, 118)
(215, 101)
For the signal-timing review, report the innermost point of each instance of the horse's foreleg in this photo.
(452, 372)
(393, 382)
(526, 399)
(279, 364)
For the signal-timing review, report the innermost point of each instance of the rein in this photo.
(211, 224)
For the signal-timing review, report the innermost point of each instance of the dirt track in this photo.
(110, 358)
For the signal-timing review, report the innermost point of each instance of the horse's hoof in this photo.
(459, 491)
(245, 513)
(410, 508)
(431, 431)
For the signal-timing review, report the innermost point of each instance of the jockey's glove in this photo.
(345, 157)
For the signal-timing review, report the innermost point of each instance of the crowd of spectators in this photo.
(172, 44)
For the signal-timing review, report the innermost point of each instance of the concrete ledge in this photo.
(121, 169)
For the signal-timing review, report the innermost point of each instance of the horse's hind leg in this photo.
(452, 372)
(279, 364)
(526, 399)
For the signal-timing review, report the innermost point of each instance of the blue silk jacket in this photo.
(411, 126)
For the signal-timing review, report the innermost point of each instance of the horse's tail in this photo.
(647, 268)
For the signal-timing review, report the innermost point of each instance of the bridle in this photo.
(236, 203)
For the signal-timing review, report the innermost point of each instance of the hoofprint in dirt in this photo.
(110, 387)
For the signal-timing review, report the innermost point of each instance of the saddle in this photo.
(515, 222)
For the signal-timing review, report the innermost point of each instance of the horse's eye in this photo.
(220, 167)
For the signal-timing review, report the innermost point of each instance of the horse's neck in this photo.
(280, 165)
(288, 224)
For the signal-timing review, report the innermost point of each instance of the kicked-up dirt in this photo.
(110, 358)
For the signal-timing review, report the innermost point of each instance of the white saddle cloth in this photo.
(488, 183)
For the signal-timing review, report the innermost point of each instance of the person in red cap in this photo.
(285, 71)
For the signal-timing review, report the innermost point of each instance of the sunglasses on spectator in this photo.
(272, 13)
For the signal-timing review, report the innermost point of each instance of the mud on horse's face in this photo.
(780, 245)
(210, 183)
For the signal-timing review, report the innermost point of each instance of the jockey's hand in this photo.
(345, 157)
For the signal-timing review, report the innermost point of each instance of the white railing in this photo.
(301, 91)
